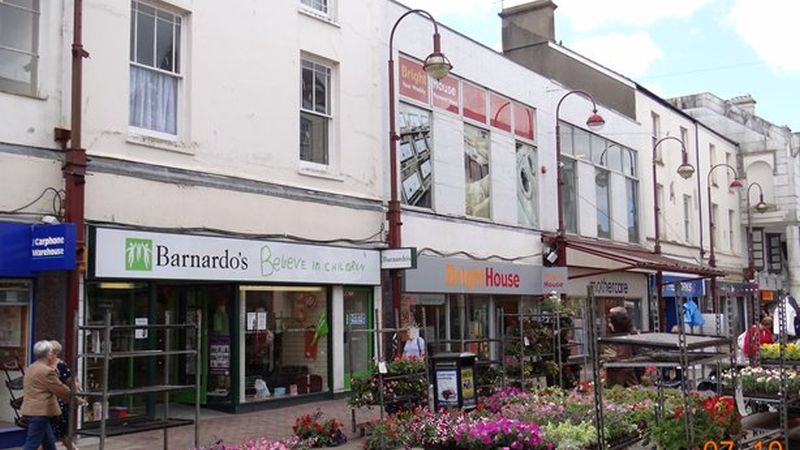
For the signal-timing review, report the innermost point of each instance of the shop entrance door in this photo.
(214, 302)
(358, 345)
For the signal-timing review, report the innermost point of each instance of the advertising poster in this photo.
(526, 185)
(445, 94)
(468, 387)
(447, 387)
(219, 358)
(476, 166)
(141, 333)
(414, 151)
(413, 80)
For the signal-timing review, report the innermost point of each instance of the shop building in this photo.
(273, 312)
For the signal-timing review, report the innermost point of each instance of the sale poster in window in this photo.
(476, 167)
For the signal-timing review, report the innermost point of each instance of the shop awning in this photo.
(612, 257)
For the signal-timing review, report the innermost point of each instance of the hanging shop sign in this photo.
(686, 286)
(413, 80)
(128, 254)
(26, 249)
(465, 276)
(399, 258)
(620, 285)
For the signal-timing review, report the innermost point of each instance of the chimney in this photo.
(528, 24)
(745, 102)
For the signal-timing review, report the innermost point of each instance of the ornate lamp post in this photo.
(438, 66)
(712, 259)
(594, 122)
(685, 170)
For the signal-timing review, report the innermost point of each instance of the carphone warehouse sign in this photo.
(120, 253)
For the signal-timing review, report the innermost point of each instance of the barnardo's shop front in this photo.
(273, 314)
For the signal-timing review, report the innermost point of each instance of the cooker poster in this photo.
(526, 185)
(447, 387)
(476, 165)
(219, 355)
(414, 153)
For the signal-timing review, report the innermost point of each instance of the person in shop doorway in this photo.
(41, 391)
(413, 343)
(619, 324)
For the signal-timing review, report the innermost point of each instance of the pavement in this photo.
(236, 428)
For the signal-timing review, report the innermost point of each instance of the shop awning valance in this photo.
(610, 256)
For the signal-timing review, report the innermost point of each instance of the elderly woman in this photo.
(41, 389)
(61, 426)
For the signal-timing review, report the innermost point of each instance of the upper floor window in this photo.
(315, 111)
(323, 7)
(732, 230)
(655, 130)
(687, 218)
(155, 76)
(19, 46)
(712, 155)
(686, 143)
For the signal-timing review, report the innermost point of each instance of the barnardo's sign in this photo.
(456, 275)
(122, 253)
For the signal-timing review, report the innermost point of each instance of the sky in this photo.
(672, 47)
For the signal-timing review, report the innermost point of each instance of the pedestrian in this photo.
(41, 389)
(756, 336)
(61, 426)
(619, 324)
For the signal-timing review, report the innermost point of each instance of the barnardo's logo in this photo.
(138, 254)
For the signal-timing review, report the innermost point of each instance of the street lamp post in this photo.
(712, 260)
(594, 122)
(685, 170)
(438, 66)
(761, 207)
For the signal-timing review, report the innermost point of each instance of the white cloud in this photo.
(629, 54)
(586, 15)
(770, 28)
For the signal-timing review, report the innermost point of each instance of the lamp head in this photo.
(736, 184)
(595, 121)
(601, 179)
(761, 207)
(437, 65)
(686, 170)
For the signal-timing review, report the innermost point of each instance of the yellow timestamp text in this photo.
(731, 445)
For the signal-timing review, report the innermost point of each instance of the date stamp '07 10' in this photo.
(729, 445)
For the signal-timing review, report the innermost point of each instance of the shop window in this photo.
(284, 341)
(603, 202)
(569, 194)
(155, 69)
(476, 167)
(415, 155)
(315, 112)
(527, 185)
(15, 296)
(19, 46)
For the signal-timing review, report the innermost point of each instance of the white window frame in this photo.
(662, 230)
(328, 14)
(18, 87)
(687, 218)
(732, 230)
(712, 155)
(311, 167)
(180, 126)
(655, 121)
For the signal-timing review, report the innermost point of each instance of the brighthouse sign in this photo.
(456, 275)
(135, 254)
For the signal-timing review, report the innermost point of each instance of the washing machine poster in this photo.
(447, 387)
(526, 185)
(467, 387)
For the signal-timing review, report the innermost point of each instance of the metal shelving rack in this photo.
(681, 351)
(117, 427)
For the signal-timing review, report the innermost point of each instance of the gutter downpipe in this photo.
(699, 195)
(74, 172)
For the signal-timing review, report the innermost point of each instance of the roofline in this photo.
(593, 64)
(668, 105)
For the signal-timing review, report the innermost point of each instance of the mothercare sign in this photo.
(136, 254)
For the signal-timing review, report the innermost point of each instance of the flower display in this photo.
(314, 432)
(499, 433)
(713, 417)
(773, 352)
(411, 390)
(760, 380)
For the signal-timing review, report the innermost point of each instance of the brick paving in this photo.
(235, 428)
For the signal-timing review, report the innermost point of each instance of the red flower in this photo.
(678, 413)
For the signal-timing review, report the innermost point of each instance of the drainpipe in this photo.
(74, 172)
